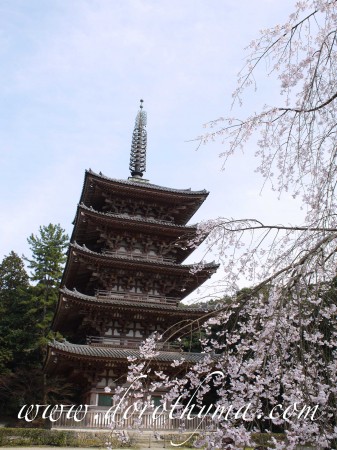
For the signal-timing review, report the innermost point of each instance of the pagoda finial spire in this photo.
(138, 145)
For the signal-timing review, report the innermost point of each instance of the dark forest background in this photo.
(27, 304)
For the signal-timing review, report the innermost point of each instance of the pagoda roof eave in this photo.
(189, 201)
(115, 301)
(86, 301)
(159, 266)
(182, 233)
(182, 312)
(146, 186)
(123, 262)
(132, 219)
(113, 354)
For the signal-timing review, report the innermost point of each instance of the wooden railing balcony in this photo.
(126, 343)
(133, 255)
(137, 297)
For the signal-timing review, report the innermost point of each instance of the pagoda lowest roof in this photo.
(79, 351)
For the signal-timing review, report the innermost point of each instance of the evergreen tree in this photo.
(48, 255)
(25, 316)
(48, 258)
(18, 352)
(15, 333)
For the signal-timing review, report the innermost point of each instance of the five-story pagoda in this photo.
(124, 278)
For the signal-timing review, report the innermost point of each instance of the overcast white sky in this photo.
(71, 75)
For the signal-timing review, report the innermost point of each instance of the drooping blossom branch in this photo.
(276, 342)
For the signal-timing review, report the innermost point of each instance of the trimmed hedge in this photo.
(14, 437)
(58, 438)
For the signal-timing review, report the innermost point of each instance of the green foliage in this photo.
(48, 254)
(48, 258)
(12, 274)
(191, 342)
(22, 386)
(26, 313)
(15, 332)
(29, 386)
